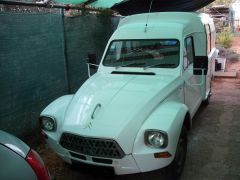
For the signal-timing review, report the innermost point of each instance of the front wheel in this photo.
(175, 169)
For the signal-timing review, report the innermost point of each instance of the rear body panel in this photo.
(14, 144)
(12, 157)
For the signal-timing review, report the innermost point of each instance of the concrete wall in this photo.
(33, 67)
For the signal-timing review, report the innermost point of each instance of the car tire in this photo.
(175, 169)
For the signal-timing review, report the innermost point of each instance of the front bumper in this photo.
(129, 164)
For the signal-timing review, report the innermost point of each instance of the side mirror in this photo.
(200, 63)
(91, 63)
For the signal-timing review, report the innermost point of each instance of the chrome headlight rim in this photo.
(159, 133)
(52, 119)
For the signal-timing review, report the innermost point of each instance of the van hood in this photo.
(113, 106)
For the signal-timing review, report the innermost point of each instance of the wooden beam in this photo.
(49, 5)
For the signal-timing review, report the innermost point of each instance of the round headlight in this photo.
(155, 138)
(48, 123)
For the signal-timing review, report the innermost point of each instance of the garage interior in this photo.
(41, 59)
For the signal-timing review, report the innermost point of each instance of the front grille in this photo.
(92, 146)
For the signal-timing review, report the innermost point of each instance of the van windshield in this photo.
(143, 53)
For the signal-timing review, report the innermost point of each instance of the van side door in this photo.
(192, 83)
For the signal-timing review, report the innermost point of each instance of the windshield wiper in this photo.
(158, 64)
(129, 64)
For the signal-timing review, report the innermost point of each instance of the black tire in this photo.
(175, 169)
(206, 101)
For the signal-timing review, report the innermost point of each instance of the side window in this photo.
(188, 52)
(208, 34)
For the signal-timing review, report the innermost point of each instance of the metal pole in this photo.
(66, 65)
(88, 67)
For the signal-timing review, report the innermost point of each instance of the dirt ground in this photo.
(214, 141)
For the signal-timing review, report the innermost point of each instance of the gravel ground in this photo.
(214, 141)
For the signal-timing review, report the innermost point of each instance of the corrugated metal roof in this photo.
(128, 7)
(105, 3)
(142, 6)
(94, 3)
(71, 1)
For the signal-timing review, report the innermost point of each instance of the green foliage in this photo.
(224, 38)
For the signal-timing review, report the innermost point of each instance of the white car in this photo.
(19, 161)
(134, 113)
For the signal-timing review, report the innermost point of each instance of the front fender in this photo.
(57, 110)
(168, 117)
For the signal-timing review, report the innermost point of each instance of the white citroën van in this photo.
(134, 113)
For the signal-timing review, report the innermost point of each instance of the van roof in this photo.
(187, 22)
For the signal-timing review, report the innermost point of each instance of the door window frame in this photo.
(185, 66)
